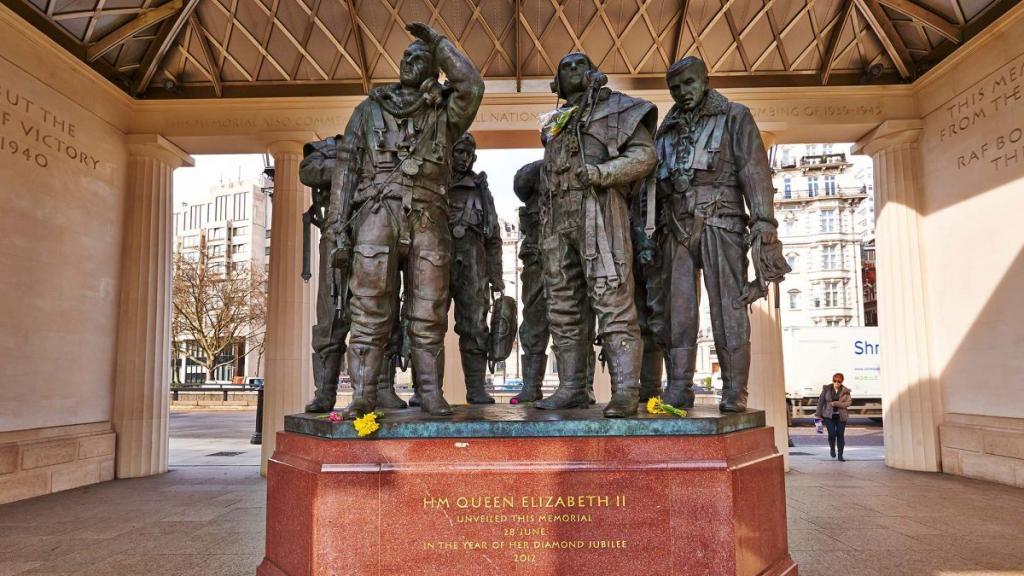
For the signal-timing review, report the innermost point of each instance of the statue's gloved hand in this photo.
(589, 175)
(424, 32)
(750, 293)
(341, 255)
(766, 230)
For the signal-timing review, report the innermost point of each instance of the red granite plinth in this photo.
(650, 505)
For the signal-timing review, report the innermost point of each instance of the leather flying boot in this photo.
(428, 369)
(325, 378)
(533, 378)
(474, 366)
(652, 367)
(364, 364)
(414, 400)
(386, 396)
(624, 356)
(734, 380)
(572, 391)
(679, 391)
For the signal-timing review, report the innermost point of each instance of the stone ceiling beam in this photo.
(143, 21)
(880, 24)
(169, 31)
(833, 45)
(926, 17)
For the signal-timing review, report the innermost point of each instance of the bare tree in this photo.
(218, 309)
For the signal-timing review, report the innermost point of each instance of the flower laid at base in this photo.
(367, 424)
(364, 425)
(656, 406)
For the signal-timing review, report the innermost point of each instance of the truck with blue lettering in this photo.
(812, 355)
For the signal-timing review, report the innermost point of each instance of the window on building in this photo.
(829, 257)
(826, 149)
(787, 188)
(794, 299)
(267, 251)
(242, 248)
(813, 186)
(811, 150)
(827, 219)
(831, 293)
(215, 250)
(240, 231)
(830, 186)
(794, 262)
(190, 241)
(787, 156)
(215, 233)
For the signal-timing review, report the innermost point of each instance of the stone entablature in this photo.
(984, 447)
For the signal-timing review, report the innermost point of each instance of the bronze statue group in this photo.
(622, 218)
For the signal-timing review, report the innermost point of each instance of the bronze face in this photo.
(688, 86)
(573, 72)
(463, 157)
(417, 65)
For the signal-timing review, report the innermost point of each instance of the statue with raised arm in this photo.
(476, 263)
(396, 226)
(715, 202)
(598, 145)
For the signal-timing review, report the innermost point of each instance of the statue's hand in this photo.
(768, 233)
(589, 175)
(423, 32)
(341, 256)
(498, 285)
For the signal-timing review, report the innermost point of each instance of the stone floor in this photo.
(845, 519)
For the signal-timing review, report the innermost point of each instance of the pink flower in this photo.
(334, 417)
(513, 401)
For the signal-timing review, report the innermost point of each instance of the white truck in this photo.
(812, 355)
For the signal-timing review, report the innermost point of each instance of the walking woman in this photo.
(832, 409)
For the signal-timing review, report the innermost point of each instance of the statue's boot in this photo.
(428, 369)
(364, 363)
(590, 366)
(325, 378)
(474, 366)
(572, 391)
(386, 396)
(624, 355)
(681, 363)
(533, 378)
(734, 379)
(652, 368)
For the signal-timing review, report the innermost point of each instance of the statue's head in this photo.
(575, 74)
(417, 64)
(688, 82)
(464, 154)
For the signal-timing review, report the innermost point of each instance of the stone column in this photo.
(767, 382)
(911, 397)
(142, 381)
(290, 309)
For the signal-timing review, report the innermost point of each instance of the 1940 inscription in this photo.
(35, 133)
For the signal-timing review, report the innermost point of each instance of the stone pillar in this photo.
(911, 397)
(767, 382)
(142, 381)
(290, 309)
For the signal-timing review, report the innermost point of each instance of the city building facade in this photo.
(229, 230)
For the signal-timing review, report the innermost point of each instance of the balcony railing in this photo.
(821, 193)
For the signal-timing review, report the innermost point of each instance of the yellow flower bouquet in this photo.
(656, 406)
(367, 424)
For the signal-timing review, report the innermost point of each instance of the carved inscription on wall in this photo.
(982, 128)
(39, 136)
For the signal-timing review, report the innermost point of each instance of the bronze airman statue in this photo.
(476, 263)
(397, 158)
(715, 196)
(597, 146)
